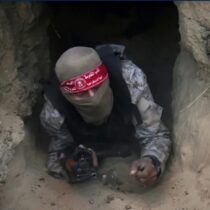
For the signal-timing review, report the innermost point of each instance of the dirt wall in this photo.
(23, 58)
(191, 102)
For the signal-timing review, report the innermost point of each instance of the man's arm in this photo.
(153, 136)
(53, 123)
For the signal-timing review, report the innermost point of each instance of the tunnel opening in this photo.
(150, 34)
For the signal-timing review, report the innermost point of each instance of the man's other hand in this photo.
(144, 171)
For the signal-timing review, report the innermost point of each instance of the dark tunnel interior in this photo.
(149, 30)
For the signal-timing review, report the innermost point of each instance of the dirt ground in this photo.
(29, 187)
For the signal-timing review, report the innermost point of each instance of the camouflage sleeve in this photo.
(152, 134)
(53, 123)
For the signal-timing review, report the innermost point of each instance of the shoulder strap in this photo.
(117, 83)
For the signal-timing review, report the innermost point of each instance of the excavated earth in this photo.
(165, 52)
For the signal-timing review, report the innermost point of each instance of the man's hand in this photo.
(144, 171)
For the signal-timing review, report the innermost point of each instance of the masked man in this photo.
(101, 99)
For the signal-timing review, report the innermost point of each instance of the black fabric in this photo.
(119, 88)
(118, 129)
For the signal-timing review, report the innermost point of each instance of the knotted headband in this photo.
(86, 80)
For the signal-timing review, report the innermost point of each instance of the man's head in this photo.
(84, 82)
(75, 61)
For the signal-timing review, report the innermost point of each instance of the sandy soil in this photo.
(29, 187)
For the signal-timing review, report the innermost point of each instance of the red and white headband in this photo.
(86, 80)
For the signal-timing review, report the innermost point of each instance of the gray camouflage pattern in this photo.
(152, 135)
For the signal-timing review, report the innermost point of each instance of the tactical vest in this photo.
(118, 129)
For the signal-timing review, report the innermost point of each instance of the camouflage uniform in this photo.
(153, 136)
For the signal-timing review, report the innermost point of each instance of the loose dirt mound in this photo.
(28, 187)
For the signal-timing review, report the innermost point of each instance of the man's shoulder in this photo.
(134, 78)
(50, 115)
(133, 75)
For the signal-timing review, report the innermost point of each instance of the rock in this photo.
(42, 179)
(91, 201)
(52, 204)
(109, 198)
(104, 179)
(128, 207)
(111, 178)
